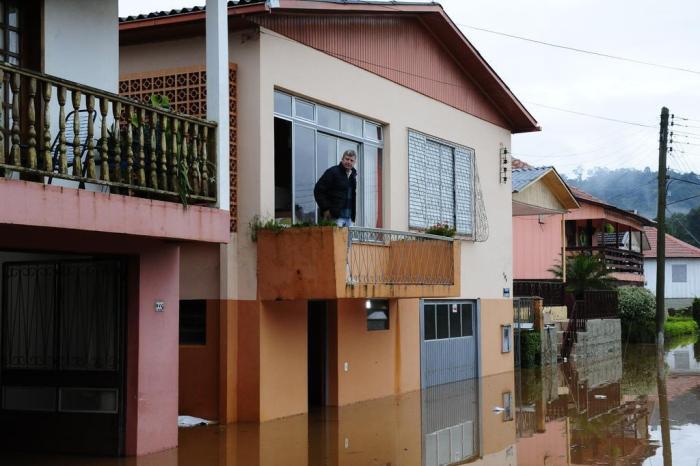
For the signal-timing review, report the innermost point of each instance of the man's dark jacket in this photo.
(331, 190)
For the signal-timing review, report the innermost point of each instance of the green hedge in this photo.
(645, 331)
(529, 349)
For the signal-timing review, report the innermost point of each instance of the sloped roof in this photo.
(583, 196)
(674, 246)
(522, 177)
(190, 22)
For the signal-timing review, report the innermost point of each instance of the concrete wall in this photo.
(537, 246)
(81, 41)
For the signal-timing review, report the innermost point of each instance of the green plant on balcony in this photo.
(584, 272)
(257, 224)
(441, 229)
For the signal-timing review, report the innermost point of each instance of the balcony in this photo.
(623, 264)
(332, 263)
(91, 139)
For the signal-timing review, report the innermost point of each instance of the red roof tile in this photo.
(674, 246)
(518, 164)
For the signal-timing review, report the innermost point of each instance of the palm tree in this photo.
(584, 272)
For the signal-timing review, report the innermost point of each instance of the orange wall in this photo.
(549, 447)
(283, 359)
(537, 247)
(494, 313)
(497, 434)
(199, 371)
(248, 361)
(408, 345)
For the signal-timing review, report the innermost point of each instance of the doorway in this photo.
(62, 369)
(318, 353)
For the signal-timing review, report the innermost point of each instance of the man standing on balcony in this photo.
(336, 190)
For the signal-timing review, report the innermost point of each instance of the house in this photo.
(91, 227)
(321, 316)
(616, 234)
(682, 283)
(540, 201)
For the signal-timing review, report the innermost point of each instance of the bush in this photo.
(696, 310)
(529, 349)
(441, 229)
(638, 331)
(636, 304)
(677, 326)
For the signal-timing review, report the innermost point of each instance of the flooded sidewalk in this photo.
(606, 412)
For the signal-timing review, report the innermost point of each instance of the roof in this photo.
(674, 246)
(583, 196)
(522, 177)
(517, 163)
(190, 22)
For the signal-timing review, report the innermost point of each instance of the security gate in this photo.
(449, 348)
(62, 356)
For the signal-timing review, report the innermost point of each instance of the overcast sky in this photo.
(659, 32)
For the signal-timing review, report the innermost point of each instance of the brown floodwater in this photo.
(596, 412)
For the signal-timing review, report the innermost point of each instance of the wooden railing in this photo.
(52, 128)
(616, 260)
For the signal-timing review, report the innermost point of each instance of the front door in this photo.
(62, 356)
(449, 350)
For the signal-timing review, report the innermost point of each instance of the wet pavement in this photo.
(595, 412)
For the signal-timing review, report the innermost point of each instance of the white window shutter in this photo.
(416, 180)
(464, 185)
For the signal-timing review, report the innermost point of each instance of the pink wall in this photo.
(36, 204)
(536, 246)
(152, 347)
(549, 447)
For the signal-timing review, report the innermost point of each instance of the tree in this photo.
(584, 272)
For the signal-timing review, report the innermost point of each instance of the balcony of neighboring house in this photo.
(77, 157)
(620, 245)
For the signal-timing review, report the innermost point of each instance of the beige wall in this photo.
(199, 271)
(493, 314)
(267, 61)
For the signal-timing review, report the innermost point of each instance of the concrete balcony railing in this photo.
(330, 263)
(52, 129)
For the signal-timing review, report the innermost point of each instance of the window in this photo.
(440, 176)
(310, 140)
(193, 322)
(679, 273)
(441, 321)
(377, 314)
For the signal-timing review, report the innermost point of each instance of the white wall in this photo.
(81, 41)
(690, 289)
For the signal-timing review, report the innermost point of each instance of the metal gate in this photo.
(449, 342)
(62, 356)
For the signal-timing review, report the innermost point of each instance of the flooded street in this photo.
(602, 413)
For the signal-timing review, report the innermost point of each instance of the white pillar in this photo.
(217, 92)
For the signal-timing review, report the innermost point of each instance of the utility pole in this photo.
(661, 233)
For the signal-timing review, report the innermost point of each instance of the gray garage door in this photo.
(449, 348)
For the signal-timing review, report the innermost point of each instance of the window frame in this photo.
(472, 183)
(362, 142)
(684, 268)
(467, 306)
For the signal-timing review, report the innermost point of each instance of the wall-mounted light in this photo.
(504, 164)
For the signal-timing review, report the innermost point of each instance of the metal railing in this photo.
(550, 291)
(523, 310)
(377, 256)
(54, 128)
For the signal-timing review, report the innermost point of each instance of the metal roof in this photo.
(182, 11)
(522, 177)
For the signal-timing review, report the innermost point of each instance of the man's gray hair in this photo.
(350, 153)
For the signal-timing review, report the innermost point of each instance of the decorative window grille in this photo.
(441, 183)
(186, 89)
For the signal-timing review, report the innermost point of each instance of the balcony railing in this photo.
(51, 128)
(616, 260)
(388, 257)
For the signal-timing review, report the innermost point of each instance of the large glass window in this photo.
(440, 176)
(442, 321)
(313, 138)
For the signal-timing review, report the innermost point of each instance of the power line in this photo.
(579, 50)
(682, 200)
(590, 115)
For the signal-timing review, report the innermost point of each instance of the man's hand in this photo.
(326, 215)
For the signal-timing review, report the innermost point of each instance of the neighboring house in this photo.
(616, 234)
(91, 227)
(682, 283)
(327, 317)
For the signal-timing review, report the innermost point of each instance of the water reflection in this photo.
(602, 412)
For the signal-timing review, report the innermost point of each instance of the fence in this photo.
(551, 292)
